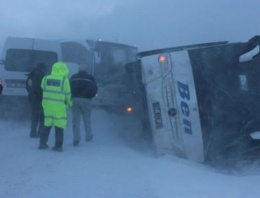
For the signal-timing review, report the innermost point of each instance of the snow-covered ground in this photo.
(116, 164)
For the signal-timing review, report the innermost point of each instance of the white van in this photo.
(19, 56)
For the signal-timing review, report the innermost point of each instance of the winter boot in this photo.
(57, 148)
(43, 146)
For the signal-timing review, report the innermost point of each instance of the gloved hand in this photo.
(70, 103)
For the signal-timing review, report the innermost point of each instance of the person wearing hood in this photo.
(55, 101)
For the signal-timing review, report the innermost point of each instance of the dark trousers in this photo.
(58, 136)
(37, 118)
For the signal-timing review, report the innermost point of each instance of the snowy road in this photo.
(112, 166)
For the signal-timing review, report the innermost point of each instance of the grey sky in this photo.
(146, 23)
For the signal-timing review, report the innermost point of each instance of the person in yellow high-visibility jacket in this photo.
(56, 98)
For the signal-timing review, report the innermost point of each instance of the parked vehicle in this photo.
(106, 61)
(19, 56)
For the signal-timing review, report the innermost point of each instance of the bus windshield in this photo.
(112, 58)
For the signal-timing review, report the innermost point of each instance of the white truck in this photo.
(203, 102)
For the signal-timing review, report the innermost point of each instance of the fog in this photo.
(118, 163)
(148, 24)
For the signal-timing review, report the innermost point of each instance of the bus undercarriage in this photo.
(204, 100)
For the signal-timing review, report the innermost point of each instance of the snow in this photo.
(116, 164)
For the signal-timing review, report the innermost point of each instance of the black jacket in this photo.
(33, 84)
(83, 85)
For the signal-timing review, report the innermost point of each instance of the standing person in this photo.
(33, 87)
(83, 89)
(56, 99)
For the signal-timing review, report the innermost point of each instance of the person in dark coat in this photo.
(83, 89)
(33, 87)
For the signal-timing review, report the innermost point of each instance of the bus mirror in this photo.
(133, 67)
(2, 62)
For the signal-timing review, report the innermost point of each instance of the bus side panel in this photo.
(187, 106)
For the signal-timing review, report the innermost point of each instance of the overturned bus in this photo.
(203, 101)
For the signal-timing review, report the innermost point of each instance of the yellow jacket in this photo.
(56, 96)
